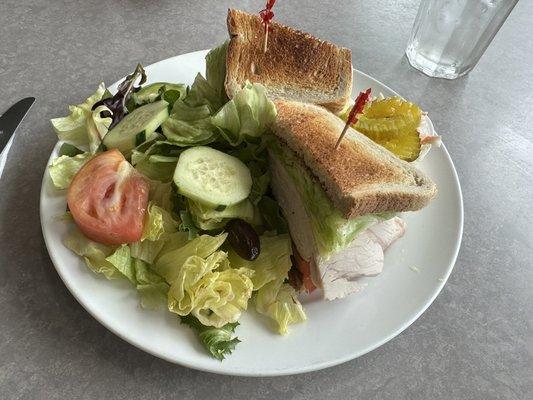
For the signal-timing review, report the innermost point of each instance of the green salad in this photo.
(197, 160)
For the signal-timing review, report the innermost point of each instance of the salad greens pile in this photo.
(183, 261)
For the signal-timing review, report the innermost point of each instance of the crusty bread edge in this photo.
(342, 94)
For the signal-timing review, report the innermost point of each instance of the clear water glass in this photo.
(450, 36)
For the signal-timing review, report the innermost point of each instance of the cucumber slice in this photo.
(150, 93)
(212, 177)
(136, 127)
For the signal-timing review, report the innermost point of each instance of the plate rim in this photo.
(303, 369)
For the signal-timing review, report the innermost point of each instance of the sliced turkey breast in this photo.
(338, 274)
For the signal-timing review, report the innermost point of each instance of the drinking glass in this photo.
(450, 36)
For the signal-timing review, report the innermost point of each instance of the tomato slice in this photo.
(305, 269)
(108, 199)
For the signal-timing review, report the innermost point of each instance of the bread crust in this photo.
(297, 66)
(360, 176)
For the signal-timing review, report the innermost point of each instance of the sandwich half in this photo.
(296, 66)
(341, 204)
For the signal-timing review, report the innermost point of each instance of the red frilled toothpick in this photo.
(357, 108)
(266, 15)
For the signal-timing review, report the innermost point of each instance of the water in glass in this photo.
(450, 36)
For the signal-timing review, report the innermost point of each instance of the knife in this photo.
(11, 119)
(9, 122)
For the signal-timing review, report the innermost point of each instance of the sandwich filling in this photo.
(330, 230)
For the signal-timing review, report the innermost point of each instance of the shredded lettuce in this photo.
(63, 169)
(246, 116)
(332, 231)
(279, 301)
(210, 290)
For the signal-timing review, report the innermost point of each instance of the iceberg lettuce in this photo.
(151, 287)
(247, 116)
(279, 301)
(73, 128)
(93, 253)
(63, 169)
(273, 263)
(158, 227)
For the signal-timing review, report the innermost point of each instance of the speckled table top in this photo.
(474, 342)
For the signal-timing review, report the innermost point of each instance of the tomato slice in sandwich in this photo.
(305, 270)
(108, 199)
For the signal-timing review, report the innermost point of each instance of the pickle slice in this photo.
(393, 123)
(405, 146)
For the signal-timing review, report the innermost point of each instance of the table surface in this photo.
(475, 341)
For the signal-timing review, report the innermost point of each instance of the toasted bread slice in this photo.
(360, 176)
(296, 66)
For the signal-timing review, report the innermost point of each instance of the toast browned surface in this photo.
(360, 176)
(296, 66)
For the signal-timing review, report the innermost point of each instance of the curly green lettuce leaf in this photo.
(278, 300)
(171, 260)
(208, 218)
(247, 116)
(94, 254)
(332, 231)
(73, 128)
(63, 169)
(273, 263)
(219, 342)
(210, 290)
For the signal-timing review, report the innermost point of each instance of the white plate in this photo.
(335, 332)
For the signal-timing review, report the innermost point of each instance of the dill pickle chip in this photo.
(405, 146)
(393, 123)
